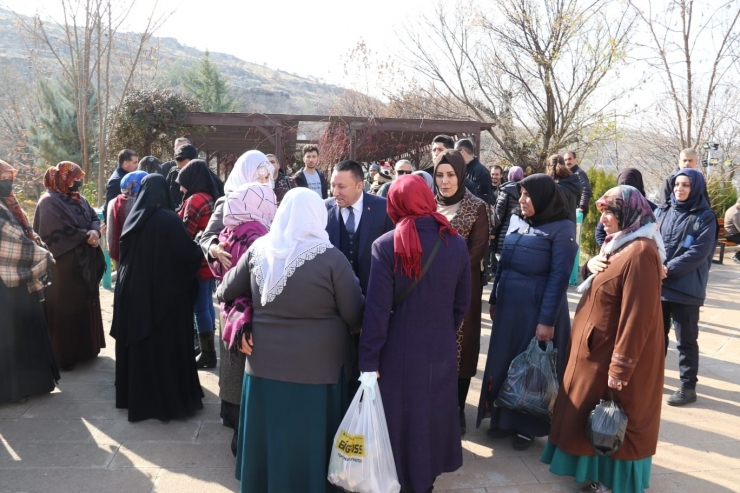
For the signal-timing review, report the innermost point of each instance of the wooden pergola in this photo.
(224, 136)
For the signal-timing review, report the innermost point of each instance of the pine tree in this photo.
(56, 137)
(209, 87)
(600, 181)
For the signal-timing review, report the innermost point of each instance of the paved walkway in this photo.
(75, 440)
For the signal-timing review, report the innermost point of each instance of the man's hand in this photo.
(218, 251)
(664, 272)
(491, 311)
(103, 228)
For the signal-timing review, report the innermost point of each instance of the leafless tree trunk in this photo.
(692, 47)
(531, 67)
(87, 44)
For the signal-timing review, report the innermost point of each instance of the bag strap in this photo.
(413, 285)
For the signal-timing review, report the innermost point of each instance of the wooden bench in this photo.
(722, 241)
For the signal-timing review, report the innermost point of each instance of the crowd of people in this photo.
(367, 271)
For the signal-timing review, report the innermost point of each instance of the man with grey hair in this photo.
(402, 167)
(166, 167)
(688, 158)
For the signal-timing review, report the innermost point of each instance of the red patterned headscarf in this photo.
(409, 198)
(60, 177)
(11, 202)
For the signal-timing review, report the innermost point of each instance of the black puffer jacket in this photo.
(507, 204)
(571, 189)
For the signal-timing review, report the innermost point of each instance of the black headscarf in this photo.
(547, 199)
(196, 177)
(152, 196)
(696, 199)
(631, 177)
(454, 159)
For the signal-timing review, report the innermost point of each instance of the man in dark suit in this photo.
(356, 218)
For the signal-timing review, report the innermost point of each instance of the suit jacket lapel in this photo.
(334, 224)
(365, 223)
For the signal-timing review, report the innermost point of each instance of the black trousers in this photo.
(733, 238)
(686, 324)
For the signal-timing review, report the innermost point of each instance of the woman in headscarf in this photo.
(306, 298)
(199, 195)
(633, 178)
(27, 362)
(71, 229)
(426, 177)
(153, 310)
(689, 230)
(251, 167)
(507, 204)
(469, 216)
(248, 214)
(119, 209)
(528, 299)
(616, 346)
(411, 340)
(567, 181)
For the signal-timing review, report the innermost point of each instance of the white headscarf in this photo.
(297, 235)
(249, 168)
(250, 202)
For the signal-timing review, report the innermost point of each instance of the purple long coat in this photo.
(415, 351)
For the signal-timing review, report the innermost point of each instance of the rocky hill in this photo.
(256, 88)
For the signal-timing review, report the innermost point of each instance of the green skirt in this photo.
(285, 435)
(622, 476)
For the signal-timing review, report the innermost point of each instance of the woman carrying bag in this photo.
(616, 346)
(408, 333)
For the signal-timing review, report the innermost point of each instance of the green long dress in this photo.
(285, 435)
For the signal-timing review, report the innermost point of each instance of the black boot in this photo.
(196, 342)
(207, 357)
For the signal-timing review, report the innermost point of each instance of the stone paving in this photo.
(75, 440)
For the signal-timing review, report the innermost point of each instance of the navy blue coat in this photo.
(113, 188)
(373, 224)
(689, 231)
(530, 288)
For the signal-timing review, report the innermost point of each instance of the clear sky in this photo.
(298, 36)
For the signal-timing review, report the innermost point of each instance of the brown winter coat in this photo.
(617, 331)
(471, 222)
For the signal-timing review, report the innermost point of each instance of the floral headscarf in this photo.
(11, 202)
(635, 220)
(629, 206)
(61, 177)
(131, 183)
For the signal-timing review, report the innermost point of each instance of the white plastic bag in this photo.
(361, 457)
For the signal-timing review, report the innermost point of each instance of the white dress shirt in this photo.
(357, 206)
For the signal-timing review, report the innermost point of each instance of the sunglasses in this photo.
(402, 172)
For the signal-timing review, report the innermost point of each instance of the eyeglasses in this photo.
(402, 172)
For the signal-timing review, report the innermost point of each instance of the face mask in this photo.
(6, 188)
(75, 186)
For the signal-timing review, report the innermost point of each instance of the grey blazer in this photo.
(302, 336)
(214, 228)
